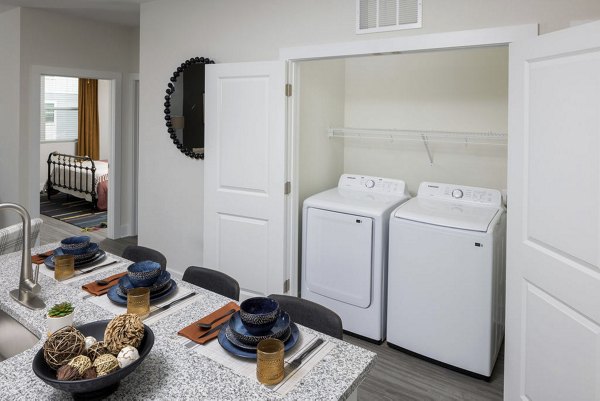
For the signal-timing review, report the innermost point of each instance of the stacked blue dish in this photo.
(259, 318)
(143, 274)
(85, 252)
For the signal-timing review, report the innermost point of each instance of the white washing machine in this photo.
(344, 250)
(446, 276)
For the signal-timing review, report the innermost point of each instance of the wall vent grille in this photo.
(387, 15)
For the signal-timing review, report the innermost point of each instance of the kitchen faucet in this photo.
(29, 289)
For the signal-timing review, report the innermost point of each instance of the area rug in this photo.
(72, 210)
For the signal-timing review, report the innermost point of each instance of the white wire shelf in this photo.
(466, 138)
(484, 138)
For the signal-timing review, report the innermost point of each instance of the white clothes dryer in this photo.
(446, 276)
(344, 250)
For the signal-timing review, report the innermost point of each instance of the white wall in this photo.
(58, 41)
(104, 101)
(9, 112)
(239, 30)
(322, 93)
(455, 90)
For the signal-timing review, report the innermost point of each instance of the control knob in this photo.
(457, 193)
(369, 183)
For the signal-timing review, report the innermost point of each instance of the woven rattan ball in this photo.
(106, 364)
(96, 350)
(62, 346)
(81, 362)
(123, 330)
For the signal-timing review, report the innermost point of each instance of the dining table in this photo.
(175, 368)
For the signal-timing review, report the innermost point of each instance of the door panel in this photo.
(553, 276)
(563, 154)
(339, 256)
(244, 147)
(244, 175)
(557, 335)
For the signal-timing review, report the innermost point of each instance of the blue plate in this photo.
(249, 347)
(242, 353)
(116, 298)
(49, 262)
(129, 286)
(161, 283)
(242, 334)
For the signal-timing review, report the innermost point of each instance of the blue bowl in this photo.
(75, 245)
(259, 314)
(144, 273)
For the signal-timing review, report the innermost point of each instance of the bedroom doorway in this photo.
(109, 84)
(67, 104)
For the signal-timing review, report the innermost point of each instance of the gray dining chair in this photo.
(137, 253)
(213, 280)
(311, 314)
(11, 237)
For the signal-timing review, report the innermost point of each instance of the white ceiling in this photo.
(122, 12)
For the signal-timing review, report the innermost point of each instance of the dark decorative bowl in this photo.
(144, 273)
(75, 245)
(99, 387)
(259, 314)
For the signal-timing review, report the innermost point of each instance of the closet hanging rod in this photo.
(487, 138)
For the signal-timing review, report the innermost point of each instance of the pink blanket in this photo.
(102, 194)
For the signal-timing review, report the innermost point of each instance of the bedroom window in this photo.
(58, 120)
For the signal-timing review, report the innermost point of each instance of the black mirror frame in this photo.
(167, 104)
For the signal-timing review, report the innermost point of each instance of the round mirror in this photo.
(184, 107)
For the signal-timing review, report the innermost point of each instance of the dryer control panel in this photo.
(460, 193)
(372, 184)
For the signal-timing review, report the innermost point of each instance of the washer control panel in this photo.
(460, 193)
(367, 183)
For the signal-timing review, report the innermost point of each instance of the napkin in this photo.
(193, 331)
(40, 257)
(96, 289)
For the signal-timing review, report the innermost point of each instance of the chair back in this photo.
(311, 314)
(137, 253)
(11, 237)
(213, 280)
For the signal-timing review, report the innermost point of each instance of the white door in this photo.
(244, 174)
(553, 265)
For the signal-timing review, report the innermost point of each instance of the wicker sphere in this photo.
(106, 364)
(81, 362)
(123, 330)
(62, 346)
(96, 350)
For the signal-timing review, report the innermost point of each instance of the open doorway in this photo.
(74, 179)
(111, 87)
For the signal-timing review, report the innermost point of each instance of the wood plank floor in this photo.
(396, 375)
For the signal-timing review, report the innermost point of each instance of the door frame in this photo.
(114, 207)
(475, 38)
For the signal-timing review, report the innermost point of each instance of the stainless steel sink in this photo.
(14, 337)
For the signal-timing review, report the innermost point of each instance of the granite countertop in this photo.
(170, 371)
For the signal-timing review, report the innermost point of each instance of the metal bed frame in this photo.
(62, 179)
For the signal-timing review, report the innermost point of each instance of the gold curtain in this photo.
(88, 141)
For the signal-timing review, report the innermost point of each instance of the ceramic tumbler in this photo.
(64, 267)
(138, 301)
(269, 361)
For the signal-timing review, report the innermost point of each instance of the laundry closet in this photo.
(388, 123)
(451, 99)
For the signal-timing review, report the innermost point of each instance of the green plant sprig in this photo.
(60, 310)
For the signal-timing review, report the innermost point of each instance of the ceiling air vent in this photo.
(387, 15)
